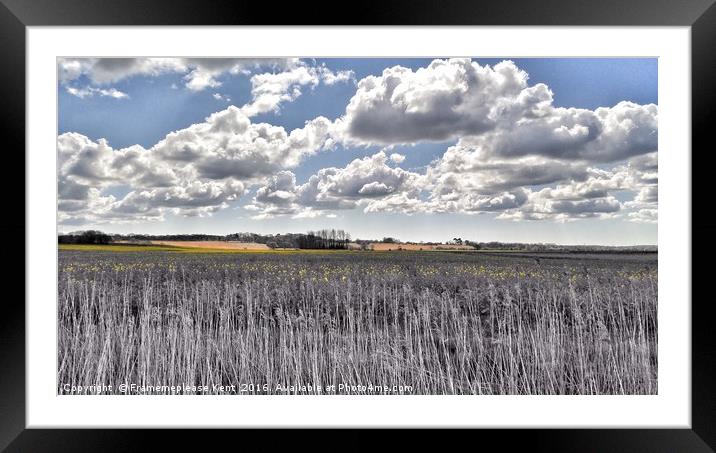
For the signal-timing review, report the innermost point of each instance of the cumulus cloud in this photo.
(200, 73)
(397, 158)
(358, 183)
(270, 90)
(607, 134)
(514, 155)
(644, 206)
(446, 99)
(228, 144)
(592, 197)
(562, 205)
(367, 177)
(648, 194)
(190, 198)
(525, 188)
(330, 77)
(462, 168)
(193, 171)
(109, 70)
(89, 91)
(528, 188)
(564, 211)
(274, 80)
(644, 216)
(493, 109)
(204, 72)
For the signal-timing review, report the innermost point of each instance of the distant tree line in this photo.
(330, 239)
(84, 237)
(324, 239)
(168, 237)
(547, 247)
(333, 239)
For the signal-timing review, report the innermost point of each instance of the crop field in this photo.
(377, 246)
(227, 245)
(340, 322)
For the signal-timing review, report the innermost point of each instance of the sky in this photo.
(513, 150)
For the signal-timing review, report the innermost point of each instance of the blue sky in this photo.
(539, 150)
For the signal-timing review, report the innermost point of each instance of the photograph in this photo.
(411, 216)
(303, 225)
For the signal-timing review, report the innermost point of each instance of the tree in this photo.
(85, 237)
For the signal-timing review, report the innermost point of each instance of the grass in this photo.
(119, 248)
(174, 248)
(178, 249)
(440, 323)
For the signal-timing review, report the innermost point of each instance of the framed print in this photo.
(429, 217)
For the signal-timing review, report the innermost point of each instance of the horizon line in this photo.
(357, 238)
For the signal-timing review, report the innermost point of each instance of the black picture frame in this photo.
(16, 15)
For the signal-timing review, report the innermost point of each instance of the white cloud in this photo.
(200, 73)
(331, 78)
(220, 97)
(402, 202)
(493, 110)
(193, 171)
(204, 72)
(648, 194)
(397, 158)
(563, 210)
(604, 135)
(89, 91)
(228, 144)
(282, 83)
(591, 197)
(270, 90)
(465, 168)
(366, 177)
(562, 204)
(516, 153)
(515, 156)
(446, 99)
(358, 183)
(644, 216)
(110, 70)
(644, 205)
(528, 188)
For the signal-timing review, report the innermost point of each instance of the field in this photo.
(227, 245)
(392, 322)
(383, 247)
(180, 247)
